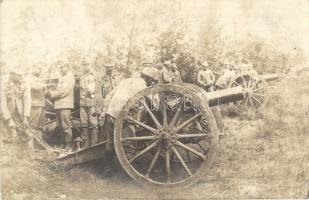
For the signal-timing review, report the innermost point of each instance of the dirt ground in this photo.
(266, 157)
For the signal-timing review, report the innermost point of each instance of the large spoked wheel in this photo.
(254, 89)
(170, 122)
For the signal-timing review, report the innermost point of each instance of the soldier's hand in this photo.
(25, 120)
(11, 123)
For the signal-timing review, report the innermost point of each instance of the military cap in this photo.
(150, 72)
(167, 62)
(147, 61)
(17, 70)
(109, 64)
(205, 64)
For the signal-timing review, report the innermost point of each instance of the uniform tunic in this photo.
(37, 114)
(64, 102)
(15, 100)
(125, 90)
(87, 100)
(205, 77)
(225, 78)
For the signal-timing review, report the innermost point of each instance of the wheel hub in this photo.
(166, 137)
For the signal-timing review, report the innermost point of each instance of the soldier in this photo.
(108, 79)
(158, 67)
(37, 114)
(125, 90)
(63, 96)
(166, 75)
(88, 118)
(205, 77)
(175, 74)
(226, 76)
(16, 104)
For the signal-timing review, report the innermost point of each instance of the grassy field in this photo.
(266, 157)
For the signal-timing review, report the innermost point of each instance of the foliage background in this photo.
(46, 33)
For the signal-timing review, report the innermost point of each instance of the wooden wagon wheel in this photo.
(167, 130)
(254, 88)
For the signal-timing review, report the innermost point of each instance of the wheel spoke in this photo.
(181, 160)
(155, 120)
(259, 94)
(257, 89)
(254, 85)
(237, 84)
(250, 100)
(179, 136)
(138, 138)
(143, 151)
(190, 149)
(205, 151)
(175, 118)
(253, 97)
(141, 124)
(246, 102)
(164, 115)
(187, 122)
(244, 81)
(153, 162)
(168, 165)
(249, 82)
(188, 155)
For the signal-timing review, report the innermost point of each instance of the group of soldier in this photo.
(25, 97)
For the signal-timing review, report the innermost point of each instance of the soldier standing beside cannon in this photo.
(16, 106)
(37, 114)
(63, 96)
(169, 73)
(88, 117)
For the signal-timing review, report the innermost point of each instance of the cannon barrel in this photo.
(224, 96)
(270, 77)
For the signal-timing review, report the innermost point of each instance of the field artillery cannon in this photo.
(165, 136)
(254, 88)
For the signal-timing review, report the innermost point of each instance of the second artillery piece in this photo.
(254, 87)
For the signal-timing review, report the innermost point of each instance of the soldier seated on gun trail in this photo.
(88, 116)
(227, 75)
(115, 100)
(16, 106)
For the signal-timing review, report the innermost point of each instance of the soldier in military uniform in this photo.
(205, 77)
(63, 96)
(227, 75)
(16, 105)
(37, 114)
(108, 80)
(176, 77)
(88, 116)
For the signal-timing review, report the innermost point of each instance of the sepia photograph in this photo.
(154, 99)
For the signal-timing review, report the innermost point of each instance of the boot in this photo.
(93, 136)
(85, 138)
(68, 141)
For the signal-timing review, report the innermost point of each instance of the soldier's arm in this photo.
(92, 85)
(199, 78)
(67, 88)
(212, 76)
(27, 100)
(37, 84)
(166, 77)
(4, 107)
